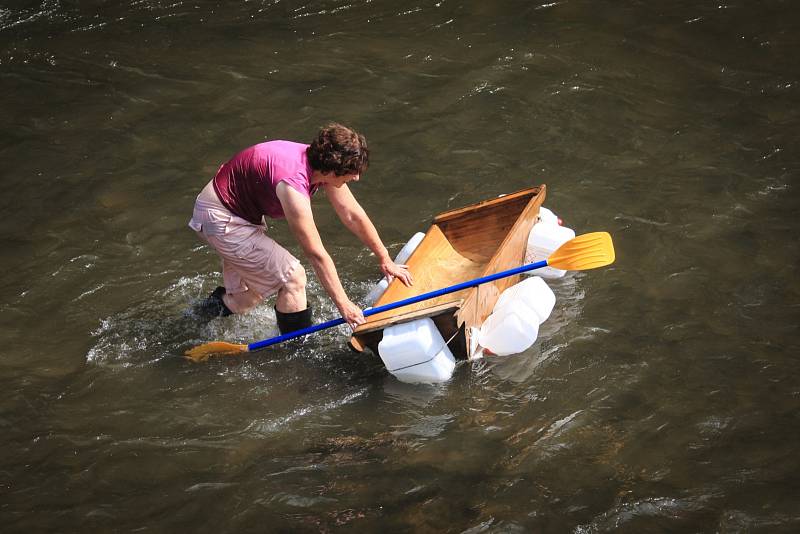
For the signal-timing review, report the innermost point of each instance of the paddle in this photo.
(584, 252)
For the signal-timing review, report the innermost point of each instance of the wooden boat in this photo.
(460, 245)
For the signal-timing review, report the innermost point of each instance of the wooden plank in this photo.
(502, 199)
(434, 265)
(478, 234)
(356, 343)
(429, 311)
(511, 253)
(366, 341)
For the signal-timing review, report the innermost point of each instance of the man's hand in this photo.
(351, 314)
(401, 272)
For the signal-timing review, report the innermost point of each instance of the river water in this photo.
(663, 393)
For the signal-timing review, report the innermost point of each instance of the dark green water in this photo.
(662, 395)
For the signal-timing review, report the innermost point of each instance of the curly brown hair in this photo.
(338, 149)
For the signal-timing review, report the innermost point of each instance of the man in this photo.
(277, 179)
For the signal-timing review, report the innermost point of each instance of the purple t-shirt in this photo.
(246, 184)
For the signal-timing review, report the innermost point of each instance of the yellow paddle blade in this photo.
(587, 251)
(214, 348)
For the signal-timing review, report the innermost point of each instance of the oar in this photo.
(587, 251)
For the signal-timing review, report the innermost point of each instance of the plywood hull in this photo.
(460, 245)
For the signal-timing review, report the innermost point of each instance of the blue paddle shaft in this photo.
(398, 304)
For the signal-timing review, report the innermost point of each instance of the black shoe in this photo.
(292, 321)
(213, 305)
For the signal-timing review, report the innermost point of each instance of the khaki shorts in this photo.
(250, 259)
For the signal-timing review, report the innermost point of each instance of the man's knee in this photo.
(297, 280)
(242, 302)
(292, 294)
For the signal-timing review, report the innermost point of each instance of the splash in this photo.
(164, 324)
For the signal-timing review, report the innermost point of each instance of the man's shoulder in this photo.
(279, 146)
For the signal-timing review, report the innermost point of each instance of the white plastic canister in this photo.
(548, 217)
(511, 330)
(402, 257)
(415, 352)
(534, 292)
(543, 240)
(513, 325)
